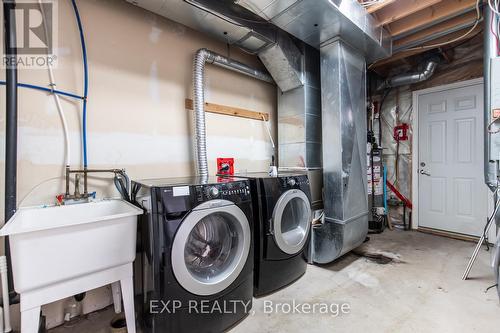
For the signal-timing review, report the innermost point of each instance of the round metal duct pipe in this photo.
(405, 79)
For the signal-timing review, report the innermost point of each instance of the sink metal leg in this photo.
(30, 320)
(128, 303)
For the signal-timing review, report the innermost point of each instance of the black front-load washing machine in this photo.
(282, 220)
(194, 268)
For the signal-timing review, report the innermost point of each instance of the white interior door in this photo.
(452, 195)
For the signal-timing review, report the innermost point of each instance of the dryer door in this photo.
(291, 221)
(211, 247)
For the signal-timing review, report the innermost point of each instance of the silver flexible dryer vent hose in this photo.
(199, 111)
(405, 79)
(202, 57)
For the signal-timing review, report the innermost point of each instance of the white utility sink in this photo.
(59, 251)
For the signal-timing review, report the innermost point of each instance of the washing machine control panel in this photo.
(234, 191)
(294, 181)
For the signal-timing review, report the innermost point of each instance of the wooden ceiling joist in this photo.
(411, 52)
(436, 31)
(379, 6)
(417, 26)
(397, 10)
(424, 17)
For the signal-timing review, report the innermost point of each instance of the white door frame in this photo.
(414, 141)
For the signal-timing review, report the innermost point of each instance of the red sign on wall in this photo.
(401, 132)
(225, 166)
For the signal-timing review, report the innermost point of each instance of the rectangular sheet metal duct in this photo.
(299, 118)
(299, 124)
(284, 61)
(343, 83)
(318, 21)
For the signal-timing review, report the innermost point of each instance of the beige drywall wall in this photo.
(140, 73)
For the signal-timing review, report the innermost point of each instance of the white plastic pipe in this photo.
(56, 97)
(1, 319)
(268, 128)
(5, 294)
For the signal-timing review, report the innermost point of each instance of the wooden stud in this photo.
(229, 111)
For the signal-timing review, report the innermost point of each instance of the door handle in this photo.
(422, 172)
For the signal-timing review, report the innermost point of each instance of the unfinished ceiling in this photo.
(418, 26)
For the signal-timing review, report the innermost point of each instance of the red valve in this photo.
(60, 199)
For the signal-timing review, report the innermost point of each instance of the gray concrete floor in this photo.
(420, 291)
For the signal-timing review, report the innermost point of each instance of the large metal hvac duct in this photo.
(237, 26)
(316, 22)
(299, 124)
(251, 33)
(343, 84)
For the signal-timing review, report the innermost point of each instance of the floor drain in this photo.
(119, 324)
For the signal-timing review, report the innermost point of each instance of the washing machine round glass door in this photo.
(291, 221)
(211, 247)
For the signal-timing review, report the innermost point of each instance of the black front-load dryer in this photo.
(282, 221)
(194, 268)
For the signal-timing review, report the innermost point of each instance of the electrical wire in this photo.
(493, 27)
(56, 97)
(85, 83)
(494, 8)
(431, 46)
(488, 128)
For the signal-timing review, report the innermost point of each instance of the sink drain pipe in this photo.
(5, 294)
(202, 57)
(10, 125)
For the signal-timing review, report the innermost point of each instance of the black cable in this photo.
(497, 202)
(486, 242)
(490, 287)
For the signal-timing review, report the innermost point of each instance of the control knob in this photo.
(291, 182)
(213, 192)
